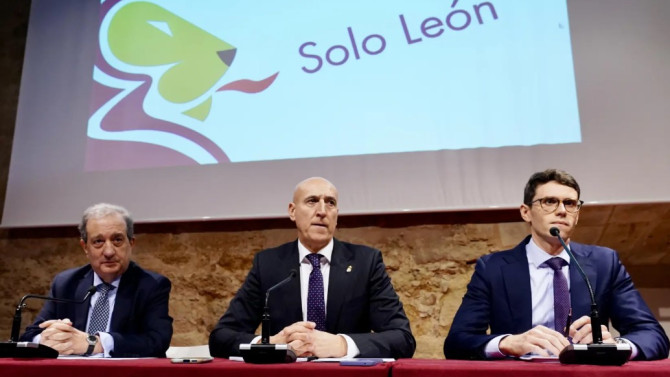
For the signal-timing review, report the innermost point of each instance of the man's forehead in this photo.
(556, 189)
(316, 187)
(106, 223)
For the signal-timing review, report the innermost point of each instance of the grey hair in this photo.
(101, 210)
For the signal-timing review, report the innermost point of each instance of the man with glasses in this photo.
(528, 296)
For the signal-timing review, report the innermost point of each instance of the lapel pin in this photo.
(349, 268)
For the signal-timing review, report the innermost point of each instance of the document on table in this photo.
(78, 357)
(539, 358)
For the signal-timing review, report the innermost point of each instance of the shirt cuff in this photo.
(492, 349)
(633, 348)
(352, 348)
(255, 340)
(107, 343)
(37, 338)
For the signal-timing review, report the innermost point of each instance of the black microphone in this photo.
(596, 353)
(266, 353)
(265, 324)
(14, 348)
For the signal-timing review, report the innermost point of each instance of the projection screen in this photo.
(188, 111)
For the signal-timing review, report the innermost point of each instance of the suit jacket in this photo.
(140, 324)
(499, 296)
(361, 299)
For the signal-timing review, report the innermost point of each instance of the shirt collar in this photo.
(536, 256)
(327, 251)
(97, 280)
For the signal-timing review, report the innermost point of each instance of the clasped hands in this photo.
(60, 335)
(543, 341)
(306, 340)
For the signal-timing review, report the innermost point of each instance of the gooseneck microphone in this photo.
(265, 324)
(596, 353)
(14, 348)
(596, 332)
(266, 353)
(16, 324)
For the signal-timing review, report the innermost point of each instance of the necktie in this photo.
(100, 315)
(561, 293)
(316, 308)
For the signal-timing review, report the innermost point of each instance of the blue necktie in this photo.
(316, 308)
(100, 314)
(561, 293)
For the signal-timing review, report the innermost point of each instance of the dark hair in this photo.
(102, 210)
(549, 175)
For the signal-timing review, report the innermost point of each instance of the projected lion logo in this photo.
(154, 80)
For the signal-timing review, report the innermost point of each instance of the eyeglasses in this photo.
(549, 204)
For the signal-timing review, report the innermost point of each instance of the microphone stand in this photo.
(596, 353)
(17, 349)
(266, 353)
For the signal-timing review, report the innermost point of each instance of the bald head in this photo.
(309, 182)
(314, 211)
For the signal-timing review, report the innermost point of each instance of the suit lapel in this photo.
(580, 299)
(81, 310)
(339, 282)
(123, 303)
(291, 295)
(517, 286)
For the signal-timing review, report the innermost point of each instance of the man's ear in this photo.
(291, 211)
(525, 213)
(83, 246)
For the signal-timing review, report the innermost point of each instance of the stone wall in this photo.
(430, 266)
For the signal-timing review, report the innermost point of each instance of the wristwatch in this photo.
(92, 341)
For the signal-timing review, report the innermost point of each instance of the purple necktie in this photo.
(316, 308)
(561, 293)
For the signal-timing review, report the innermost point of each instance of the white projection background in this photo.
(188, 111)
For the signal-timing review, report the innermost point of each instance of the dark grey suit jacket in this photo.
(361, 299)
(140, 324)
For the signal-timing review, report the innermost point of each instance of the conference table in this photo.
(518, 368)
(400, 368)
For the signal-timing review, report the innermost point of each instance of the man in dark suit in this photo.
(128, 314)
(363, 314)
(513, 292)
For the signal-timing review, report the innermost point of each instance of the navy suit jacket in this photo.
(499, 297)
(140, 324)
(361, 299)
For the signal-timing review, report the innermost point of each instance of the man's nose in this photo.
(108, 249)
(321, 207)
(561, 208)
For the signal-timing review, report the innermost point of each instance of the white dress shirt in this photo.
(305, 271)
(106, 340)
(542, 295)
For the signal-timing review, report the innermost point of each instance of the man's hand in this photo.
(298, 327)
(539, 340)
(307, 341)
(61, 336)
(318, 343)
(580, 331)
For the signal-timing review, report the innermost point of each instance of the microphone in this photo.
(266, 353)
(596, 353)
(14, 348)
